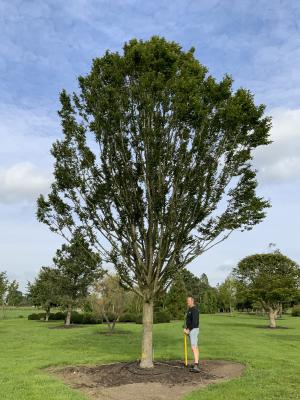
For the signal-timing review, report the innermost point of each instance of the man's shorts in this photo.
(194, 337)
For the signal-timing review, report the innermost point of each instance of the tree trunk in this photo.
(68, 317)
(272, 317)
(147, 355)
(47, 315)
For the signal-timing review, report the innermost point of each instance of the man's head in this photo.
(190, 301)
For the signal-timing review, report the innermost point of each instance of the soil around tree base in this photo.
(127, 381)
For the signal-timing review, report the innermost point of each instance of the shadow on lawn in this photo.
(288, 338)
(248, 325)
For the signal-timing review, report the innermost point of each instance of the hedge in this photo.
(159, 317)
(76, 317)
(296, 311)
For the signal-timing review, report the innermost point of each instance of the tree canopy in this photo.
(155, 163)
(78, 267)
(44, 291)
(270, 278)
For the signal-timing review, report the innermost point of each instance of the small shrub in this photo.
(162, 317)
(58, 316)
(128, 317)
(90, 318)
(76, 317)
(296, 311)
(36, 316)
(83, 318)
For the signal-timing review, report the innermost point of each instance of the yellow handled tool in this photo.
(185, 351)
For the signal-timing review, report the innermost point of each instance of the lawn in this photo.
(272, 357)
(17, 312)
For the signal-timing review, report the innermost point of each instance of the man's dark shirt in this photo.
(192, 318)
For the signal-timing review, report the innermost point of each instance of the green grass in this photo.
(17, 312)
(272, 357)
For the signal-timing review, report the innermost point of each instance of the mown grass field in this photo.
(272, 357)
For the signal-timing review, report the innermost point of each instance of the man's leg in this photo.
(194, 345)
(195, 350)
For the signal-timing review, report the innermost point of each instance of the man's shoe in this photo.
(195, 368)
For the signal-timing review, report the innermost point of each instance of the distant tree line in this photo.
(266, 283)
(10, 294)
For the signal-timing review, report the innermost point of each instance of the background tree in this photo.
(133, 303)
(44, 291)
(109, 300)
(78, 268)
(14, 296)
(176, 299)
(192, 284)
(204, 294)
(271, 279)
(3, 290)
(209, 301)
(227, 295)
(152, 145)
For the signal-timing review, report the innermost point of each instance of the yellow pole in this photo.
(185, 351)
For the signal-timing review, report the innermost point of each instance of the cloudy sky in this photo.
(46, 44)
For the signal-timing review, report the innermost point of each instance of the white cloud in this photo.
(22, 182)
(280, 161)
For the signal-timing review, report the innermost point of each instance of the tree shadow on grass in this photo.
(288, 338)
(247, 325)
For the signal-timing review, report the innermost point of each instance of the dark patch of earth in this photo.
(125, 381)
(272, 329)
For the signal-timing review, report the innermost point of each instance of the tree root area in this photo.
(127, 381)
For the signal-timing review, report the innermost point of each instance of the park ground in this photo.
(272, 357)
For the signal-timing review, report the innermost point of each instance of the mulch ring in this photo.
(127, 381)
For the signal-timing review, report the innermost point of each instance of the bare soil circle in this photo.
(127, 381)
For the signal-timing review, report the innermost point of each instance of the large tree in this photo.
(78, 267)
(155, 165)
(272, 279)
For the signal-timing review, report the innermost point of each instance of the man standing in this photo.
(192, 330)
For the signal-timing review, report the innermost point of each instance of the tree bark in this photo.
(147, 349)
(68, 317)
(272, 317)
(47, 315)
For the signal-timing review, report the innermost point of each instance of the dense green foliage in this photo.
(44, 291)
(175, 300)
(14, 296)
(271, 279)
(152, 145)
(171, 142)
(296, 311)
(227, 295)
(78, 267)
(159, 317)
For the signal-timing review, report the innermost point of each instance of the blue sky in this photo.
(45, 45)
